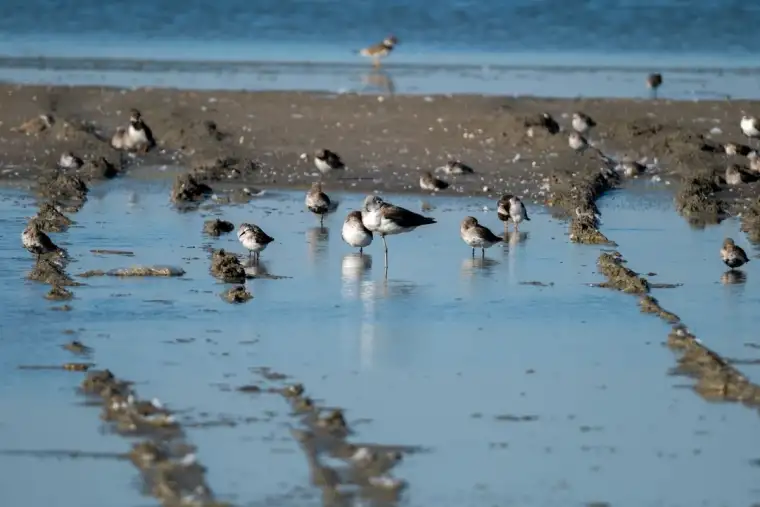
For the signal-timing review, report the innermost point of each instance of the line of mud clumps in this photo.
(167, 463)
(323, 433)
(716, 378)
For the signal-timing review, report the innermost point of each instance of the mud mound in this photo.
(620, 277)
(237, 294)
(187, 189)
(47, 271)
(50, 219)
(227, 267)
(217, 227)
(223, 169)
(62, 186)
(696, 201)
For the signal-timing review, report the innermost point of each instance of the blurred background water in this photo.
(513, 46)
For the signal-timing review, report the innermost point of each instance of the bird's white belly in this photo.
(515, 213)
(580, 126)
(389, 227)
(371, 220)
(749, 129)
(251, 244)
(136, 136)
(355, 236)
(322, 165)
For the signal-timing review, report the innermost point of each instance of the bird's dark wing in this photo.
(525, 211)
(333, 159)
(488, 235)
(405, 218)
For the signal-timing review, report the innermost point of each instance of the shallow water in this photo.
(522, 47)
(440, 355)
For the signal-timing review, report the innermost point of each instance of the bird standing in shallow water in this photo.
(381, 50)
(317, 201)
(37, 242)
(253, 239)
(502, 210)
(327, 161)
(387, 219)
(354, 233)
(733, 256)
(477, 236)
(510, 207)
(653, 83)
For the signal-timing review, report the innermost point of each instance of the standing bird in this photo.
(387, 219)
(327, 161)
(354, 233)
(381, 50)
(734, 175)
(733, 256)
(510, 207)
(582, 123)
(70, 161)
(653, 83)
(317, 201)
(253, 239)
(137, 136)
(430, 183)
(750, 127)
(37, 242)
(577, 142)
(477, 236)
(544, 121)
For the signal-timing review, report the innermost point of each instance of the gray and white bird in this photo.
(327, 161)
(317, 201)
(70, 161)
(430, 183)
(750, 127)
(387, 219)
(355, 233)
(454, 166)
(37, 242)
(733, 256)
(253, 239)
(654, 81)
(734, 175)
(517, 212)
(137, 136)
(582, 123)
(577, 142)
(477, 236)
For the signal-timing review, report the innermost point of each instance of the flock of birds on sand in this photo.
(378, 216)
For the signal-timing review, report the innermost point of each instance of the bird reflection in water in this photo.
(354, 268)
(478, 266)
(733, 277)
(316, 239)
(378, 81)
(515, 238)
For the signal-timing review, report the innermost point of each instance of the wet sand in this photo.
(385, 140)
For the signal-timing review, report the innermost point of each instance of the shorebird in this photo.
(37, 242)
(381, 50)
(355, 233)
(70, 161)
(653, 83)
(137, 136)
(577, 142)
(430, 183)
(454, 166)
(582, 123)
(733, 256)
(387, 219)
(631, 168)
(734, 175)
(750, 127)
(317, 201)
(36, 125)
(502, 210)
(510, 207)
(545, 121)
(327, 161)
(477, 236)
(732, 149)
(588, 215)
(253, 239)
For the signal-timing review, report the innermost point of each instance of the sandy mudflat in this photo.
(385, 141)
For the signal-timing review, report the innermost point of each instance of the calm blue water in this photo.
(713, 47)
(431, 356)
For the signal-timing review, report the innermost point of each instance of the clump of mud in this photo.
(648, 304)
(697, 202)
(62, 186)
(620, 277)
(227, 267)
(226, 168)
(217, 227)
(751, 222)
(98, 169)
(50, 219)
(716, 378)
(237, 294)
(187, 188)
(136, 271)
(58, 293)
(51, 273)
(581, 193)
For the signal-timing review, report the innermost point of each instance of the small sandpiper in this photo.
(750, 127)
(577, 142)
(327, 161)
(544, 121)
(70, 161)
(732, 149)
(317, 201)
(653, 83)
(430, 183)
(379, 51)
(37, 242)
(734, 175)
(454, 166)
(387, 219)
(582, 123)
(253, 239)
(354, 233)
(502, 210)
(588, 215)
(733, 256)
(136, 137)
(36, 125)
(477, 236)
(514, 209)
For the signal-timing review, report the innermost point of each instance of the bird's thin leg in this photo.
(482, 253)
(473, 252)
(361, 250)
(321, 220)
(517, 227)
(385, 246)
